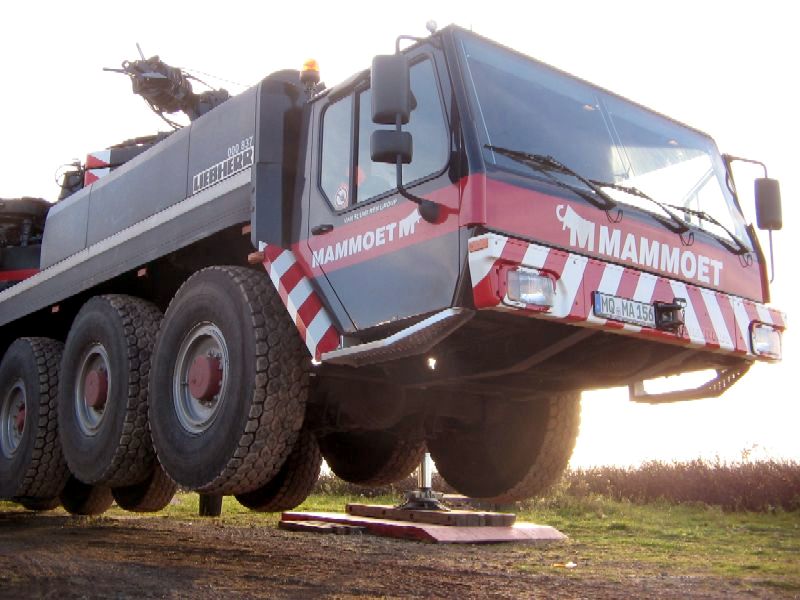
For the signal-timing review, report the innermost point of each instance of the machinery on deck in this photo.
(440, 252)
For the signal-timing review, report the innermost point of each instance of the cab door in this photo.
(383, 261)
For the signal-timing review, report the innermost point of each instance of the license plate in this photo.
(622, 309)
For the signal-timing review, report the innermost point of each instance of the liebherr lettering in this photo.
(222, 170)
(639, 250)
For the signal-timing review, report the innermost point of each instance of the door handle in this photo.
(321, 229)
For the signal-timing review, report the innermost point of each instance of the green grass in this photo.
(609, 537)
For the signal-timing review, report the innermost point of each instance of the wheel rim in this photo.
(200, 377)
(92, 389)
(12, 419)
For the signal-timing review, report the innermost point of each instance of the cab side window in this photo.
(336, 144)
(345, 166)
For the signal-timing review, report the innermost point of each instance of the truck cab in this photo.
(626, 219)
(578, 241)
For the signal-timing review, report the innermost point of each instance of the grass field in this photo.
(612, 540)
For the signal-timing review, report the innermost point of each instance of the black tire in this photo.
(520, 453)
(79, 498)
(151, 495)
(109, 445)
(293, 483)
(371, 458)
(234, 438)
(39, 504)
(31, 462)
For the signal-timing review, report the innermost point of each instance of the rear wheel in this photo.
(518, 454)
(371, 457)
(150, 495)
(79, 498)
(293, 483)
(229, 383)
(103, 399)
(31, 463)
(39, 504)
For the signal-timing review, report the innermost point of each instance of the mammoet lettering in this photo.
(646, 253)
(366, 240)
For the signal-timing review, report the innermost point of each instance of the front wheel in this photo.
(229, 383)
(518, 452)
(371, 458)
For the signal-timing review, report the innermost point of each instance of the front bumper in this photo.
(713, 320)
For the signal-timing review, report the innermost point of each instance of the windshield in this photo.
(524, 105)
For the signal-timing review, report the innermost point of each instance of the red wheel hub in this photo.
(205, 377)
(19, 420)
(95, 388)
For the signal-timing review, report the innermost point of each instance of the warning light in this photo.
(765, 341)
(528, 287)
(309, 75)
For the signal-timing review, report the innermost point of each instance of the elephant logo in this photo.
(581, 231)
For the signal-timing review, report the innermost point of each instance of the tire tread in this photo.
(46, 472)
(134, 455)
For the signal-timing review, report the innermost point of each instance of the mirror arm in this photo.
(405, 37)
(730, 158)
(428, 210)
(771, 259)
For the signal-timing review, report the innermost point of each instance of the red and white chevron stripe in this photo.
(713, 320)
(97, 166)
(304, 305)
(92, 175)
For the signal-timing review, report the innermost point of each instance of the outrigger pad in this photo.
(528, 533)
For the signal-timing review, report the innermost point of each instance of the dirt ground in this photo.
(59, 556)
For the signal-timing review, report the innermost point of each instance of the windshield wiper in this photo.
(547, 163)
(738, 248)
(675, 223)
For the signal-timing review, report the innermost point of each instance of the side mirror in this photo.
(391, 105)
(391, 89)
(386, 145)
(768, 204)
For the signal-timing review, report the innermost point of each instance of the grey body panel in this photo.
(147, 184)
(65, 228)
(143, 210)
(177, 227)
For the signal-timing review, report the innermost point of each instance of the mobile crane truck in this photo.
(440, 252)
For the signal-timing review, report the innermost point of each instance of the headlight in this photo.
(527, 287)
(765, 341)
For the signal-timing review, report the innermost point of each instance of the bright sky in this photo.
(727, 68)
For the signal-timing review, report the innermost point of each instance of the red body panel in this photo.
(17, 274)
(633, 242)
